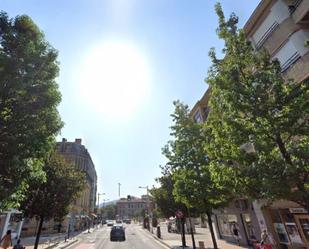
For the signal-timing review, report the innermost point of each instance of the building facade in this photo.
(133, 207)
(83, 208)
(282, 28)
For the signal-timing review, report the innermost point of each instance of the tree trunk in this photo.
(213, 237)
(192, 234)
(183, 237)
(38, 234)
(283, 150)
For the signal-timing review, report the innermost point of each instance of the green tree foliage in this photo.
(109, 211)
(51, 199)
(191, 167)
(163, 195)
(29, 96)
(259, 122)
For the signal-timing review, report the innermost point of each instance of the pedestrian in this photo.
(265, 240)
(235, 233)
(19, 245)
(6, 241)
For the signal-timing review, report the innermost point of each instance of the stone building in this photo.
(128, 208)
(82, 210)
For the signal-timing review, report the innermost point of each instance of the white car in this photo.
(109, 223)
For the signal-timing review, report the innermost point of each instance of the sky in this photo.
(122, 64)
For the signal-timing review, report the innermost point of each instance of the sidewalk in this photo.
(173, 240)
(53, 240)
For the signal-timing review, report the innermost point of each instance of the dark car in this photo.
(117, 233)
(127, 221)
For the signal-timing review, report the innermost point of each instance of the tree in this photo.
(259, 122)
(109, 211)
(29, 96)
(163, 195)
(51, 199)
(191, 167)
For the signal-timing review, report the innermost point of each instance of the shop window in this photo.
(249, 227)
(225, 223)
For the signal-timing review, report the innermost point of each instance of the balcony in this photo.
(300, 12)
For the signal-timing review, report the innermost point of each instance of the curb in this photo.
(69, 244)
(63, 246)
(160, 240)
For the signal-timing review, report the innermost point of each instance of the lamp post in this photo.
(99, 199)
(148, 204)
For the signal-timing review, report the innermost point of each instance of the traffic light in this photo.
(129, 197)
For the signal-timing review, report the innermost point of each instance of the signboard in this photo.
(179, 214)
(298, 211)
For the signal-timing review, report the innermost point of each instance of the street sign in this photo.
(179, 214)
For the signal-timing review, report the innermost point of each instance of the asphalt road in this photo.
(136, 238)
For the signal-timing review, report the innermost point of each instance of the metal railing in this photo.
(294, 5)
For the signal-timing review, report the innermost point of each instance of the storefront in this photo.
(290, 227)
(11, 220)
(237, 223)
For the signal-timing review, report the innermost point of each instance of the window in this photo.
(198, 117)
(225, 223)
(206, 112)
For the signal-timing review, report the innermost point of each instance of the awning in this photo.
(93, 215)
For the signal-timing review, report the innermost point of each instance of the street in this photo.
(136, 238)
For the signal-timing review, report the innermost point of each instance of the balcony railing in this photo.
(290, 62)
(294, 5)
(271, 29)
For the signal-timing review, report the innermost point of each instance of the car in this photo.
(109, 223)
(117, 233)
(127, 221)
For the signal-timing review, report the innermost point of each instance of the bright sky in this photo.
(122, 63)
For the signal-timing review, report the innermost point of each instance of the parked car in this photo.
(127, 221)
(117, 233)
(109, 223)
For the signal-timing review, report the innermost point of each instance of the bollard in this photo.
(201, 244)
(159, 232)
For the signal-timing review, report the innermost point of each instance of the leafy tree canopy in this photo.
(191, 167)
(163, 195)
(258, 127)
(52, 198)
(29, 96)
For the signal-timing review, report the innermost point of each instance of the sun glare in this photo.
(114, 79)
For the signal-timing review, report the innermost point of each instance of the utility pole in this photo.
(99, 199)
(119, 189)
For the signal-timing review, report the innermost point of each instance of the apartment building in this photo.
(83, 208)
(282, 28)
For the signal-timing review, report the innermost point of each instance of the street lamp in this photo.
(99, 199)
